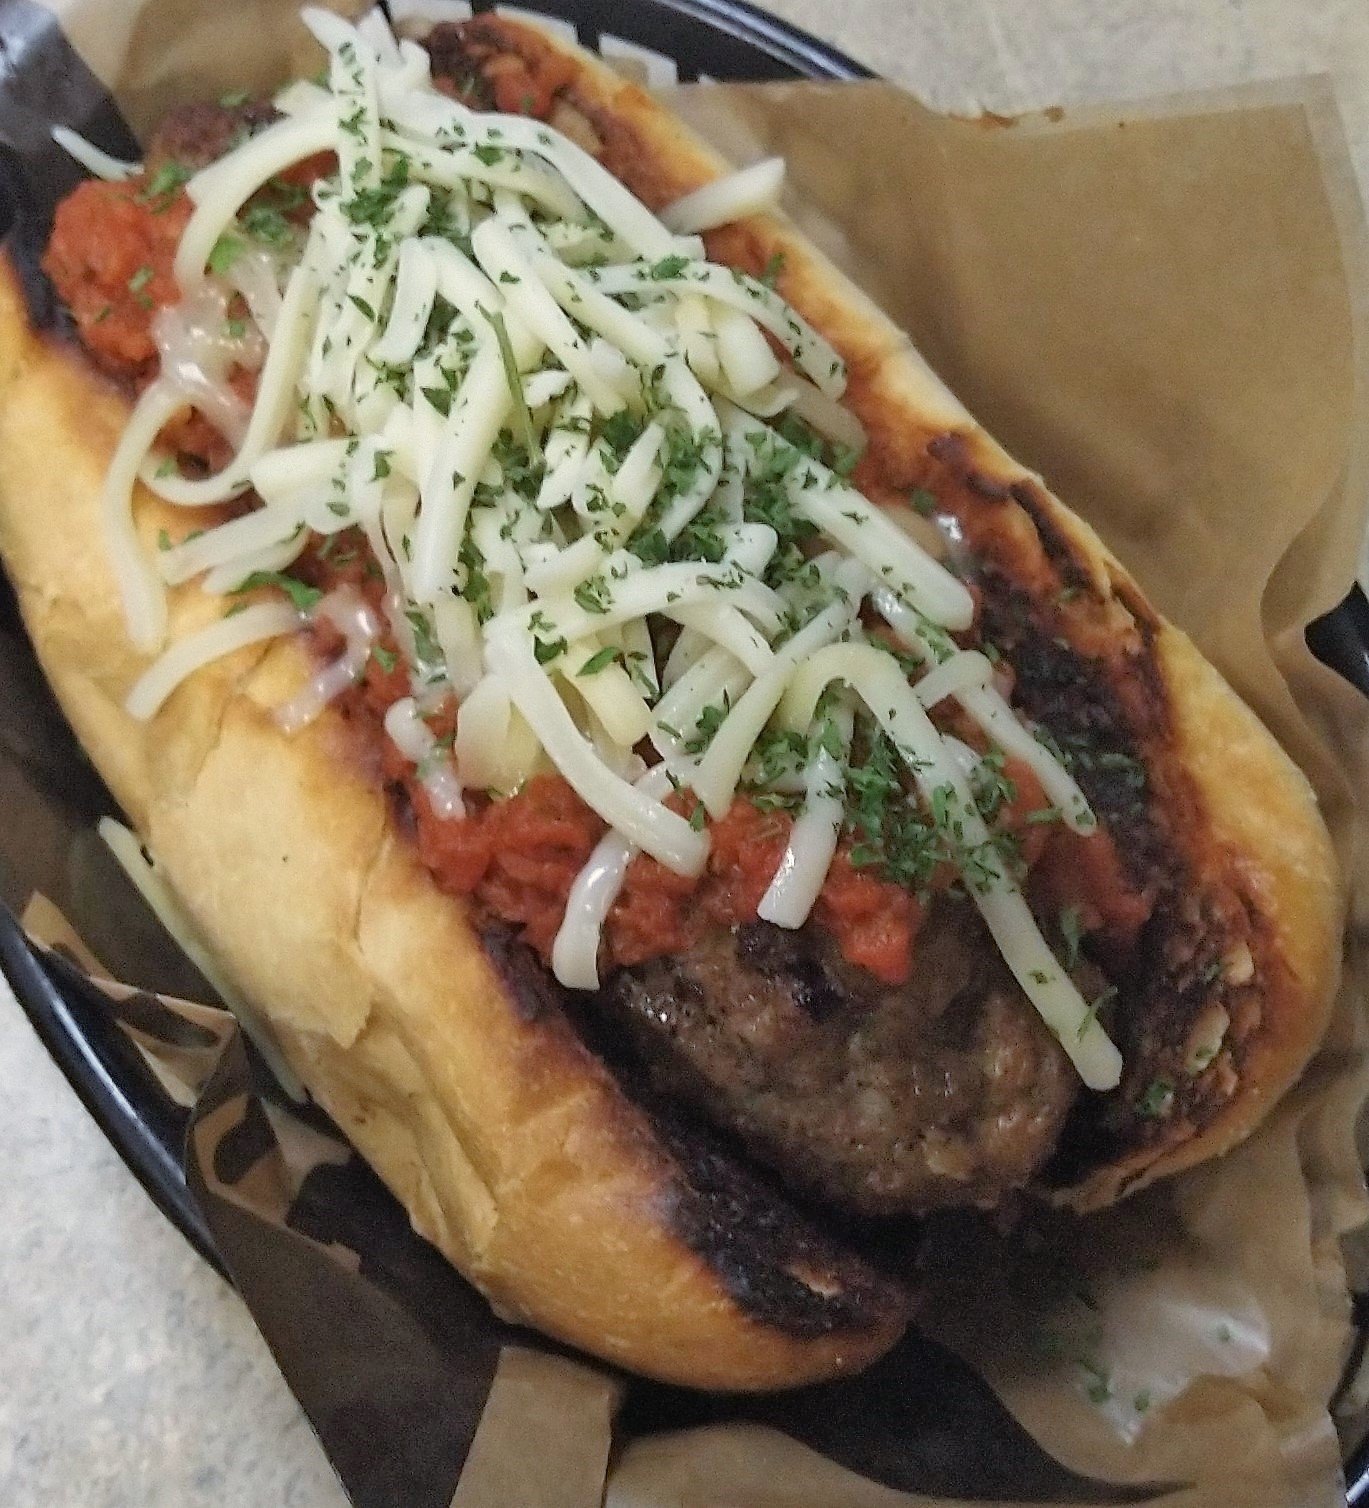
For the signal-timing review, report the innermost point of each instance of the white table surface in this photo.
(132, 1376)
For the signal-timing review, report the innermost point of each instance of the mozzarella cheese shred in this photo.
(99, 164)
(750, 191)
(601, 506)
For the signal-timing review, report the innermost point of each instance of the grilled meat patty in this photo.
(879, 1100)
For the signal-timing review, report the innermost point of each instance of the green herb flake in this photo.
(440, 398)
(600, 660)
(167, 180)
(266, 224)
(225, 251)
(922, 501)
(706, 726)
(1156, 1100)
(302, 596)
(770, 274)
(234, 98)
(667, 268)
(425, 646)
(385, 658)
(515, 383)
(593, 595)
(547, 650)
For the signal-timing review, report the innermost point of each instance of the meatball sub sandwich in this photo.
(685, 799)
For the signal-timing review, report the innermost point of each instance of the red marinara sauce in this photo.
(519, 857)
(110, 258)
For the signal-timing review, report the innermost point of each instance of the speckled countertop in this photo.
(132, 1376)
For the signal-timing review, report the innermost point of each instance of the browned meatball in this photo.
(883, 1101)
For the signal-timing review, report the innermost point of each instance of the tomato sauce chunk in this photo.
(110, 259)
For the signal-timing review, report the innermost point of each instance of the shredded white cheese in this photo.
(749, 191)
(91, 158)
(565, 435)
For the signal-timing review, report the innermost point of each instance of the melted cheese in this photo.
(358, 623)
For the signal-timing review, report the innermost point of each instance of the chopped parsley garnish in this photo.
(372, 206)
(515, 382)
(425, 646)
(684, 456)
(992, 789)
(167, 180)
(440, 398)
(700, 538)
(1110, 777)
(620, 432)
(601, 659)
(667, 268)
(922, 501)
(547, 650)
(267, 225)
(593, 595)
(706, 726)
(889, 831)
(225, 251)
(1098, 1386)
(385, 658)
(138, 283)
(650, 546)
(476, 589)
(770, 273)
(302, 596)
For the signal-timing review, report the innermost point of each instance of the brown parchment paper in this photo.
(1161, 308)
